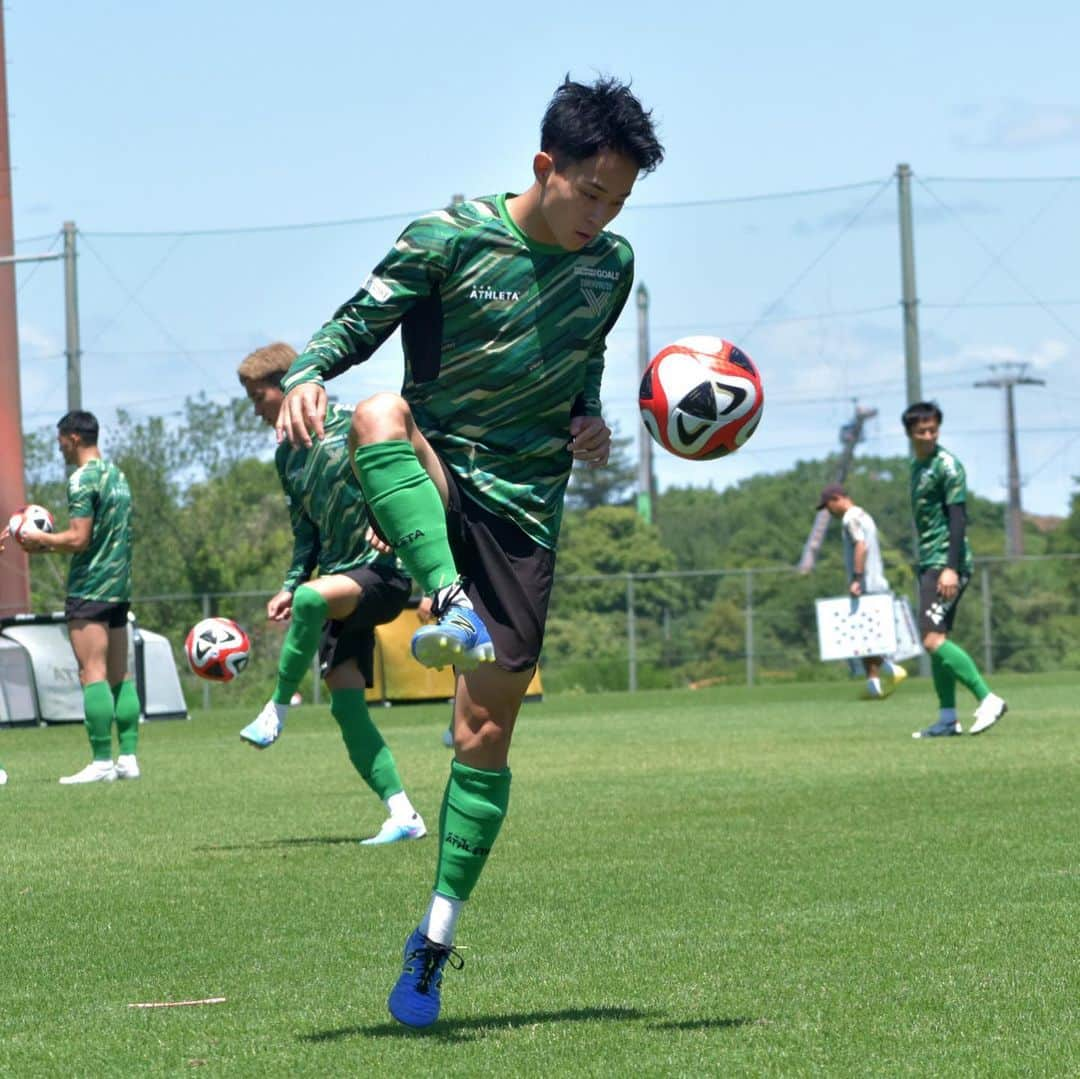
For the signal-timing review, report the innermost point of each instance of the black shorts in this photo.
(114, 615)
(509, 577)
(935, 614)
(385, 593)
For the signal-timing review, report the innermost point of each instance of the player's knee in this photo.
(308, 603)
(380, 418)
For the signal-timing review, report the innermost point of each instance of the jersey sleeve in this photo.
(854, 527)
(80, 496)
(594, 365)
(954, 481)
(412, 270)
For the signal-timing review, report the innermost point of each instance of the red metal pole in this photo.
(14, 569)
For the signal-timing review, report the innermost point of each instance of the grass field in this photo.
(725, 882)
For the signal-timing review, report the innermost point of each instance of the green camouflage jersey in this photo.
(936, 483)
(503, 340)
(326, 506)
(98, 489)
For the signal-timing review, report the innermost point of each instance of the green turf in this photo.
(726, 882)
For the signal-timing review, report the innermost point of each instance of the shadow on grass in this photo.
(271, 844)
(459, 1030)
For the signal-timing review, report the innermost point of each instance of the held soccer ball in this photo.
(32, 516)
(217, 649)
(701, 398)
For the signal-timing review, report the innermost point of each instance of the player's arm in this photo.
(412, 270)
(590, 436)
(858, 567)
(74, 538)
(949, 578)
(956, 514)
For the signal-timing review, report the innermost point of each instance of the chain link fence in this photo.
(690, 628)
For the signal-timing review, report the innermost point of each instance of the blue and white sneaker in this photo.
(416, 998)
(394, 831)
(265, 729)
(944, 728)
(457, 637)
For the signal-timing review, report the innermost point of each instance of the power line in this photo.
(688, 204)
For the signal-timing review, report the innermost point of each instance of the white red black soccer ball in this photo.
(217, 649)
(31, 517)
(701, 398)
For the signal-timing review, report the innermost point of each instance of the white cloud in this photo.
(1020, 125)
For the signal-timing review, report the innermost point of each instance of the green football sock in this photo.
(963, 667)
(309, 611)
(473, 809)
(370, 755)
(944, 682)
(407, 505)
(98, 705)
(126, 710)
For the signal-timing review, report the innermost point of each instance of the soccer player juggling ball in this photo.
(938, 497)
(357, 588)
(504, 304)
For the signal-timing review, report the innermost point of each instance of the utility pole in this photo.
(908, 302)
(71, 321)
(646, 482)
(850, 435)
(1012, 375)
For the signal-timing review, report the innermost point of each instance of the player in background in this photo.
(98, 537)
(945, 565)
(357, 588)
(504, 303)
(866, 577)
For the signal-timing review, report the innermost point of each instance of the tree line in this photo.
(210, 519)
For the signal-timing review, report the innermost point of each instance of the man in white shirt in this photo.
(866, 577)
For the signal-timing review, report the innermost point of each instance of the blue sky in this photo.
(147, 123)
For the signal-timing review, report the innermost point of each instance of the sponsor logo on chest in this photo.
(487, 295)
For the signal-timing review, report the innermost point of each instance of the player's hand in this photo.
(590, 440)
(29, 539)
(376, 542)
(855, 588)
(279, 608)
(948, 583)
(303, 410)
(423, 612)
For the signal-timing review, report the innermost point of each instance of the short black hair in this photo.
(920, 411)
(582, 120)
(78, 422)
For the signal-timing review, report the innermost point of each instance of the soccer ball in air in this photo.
(31, 517)
(217, 649)
(701, 398)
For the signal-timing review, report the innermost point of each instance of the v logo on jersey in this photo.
(596, 299)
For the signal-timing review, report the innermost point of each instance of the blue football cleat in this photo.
(942, 729)
(457, 638)
(415, 999)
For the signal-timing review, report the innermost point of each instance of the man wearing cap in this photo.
(866, 577)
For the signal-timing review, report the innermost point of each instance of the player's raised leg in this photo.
(310, 608)
(406, 493)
